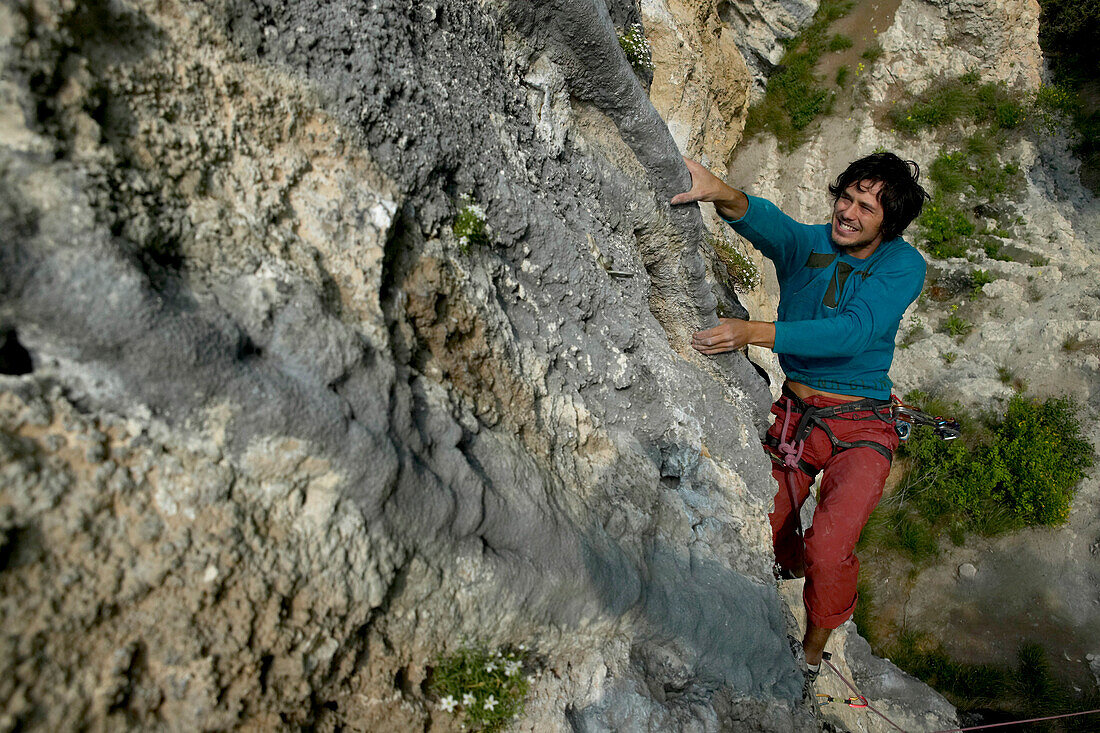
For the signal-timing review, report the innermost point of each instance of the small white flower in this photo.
(448, 703)
(490, 702)
(512, 668)
(490, 666)
(468, 699)
(523, 647)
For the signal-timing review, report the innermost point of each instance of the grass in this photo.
(794, 96)
(996, 692)
(838, 42)
(842, 73)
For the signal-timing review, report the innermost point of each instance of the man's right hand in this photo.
(705, 186)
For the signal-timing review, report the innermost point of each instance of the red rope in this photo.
(1017, 722)
(952, 730)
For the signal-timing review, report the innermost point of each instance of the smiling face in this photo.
(857, 219)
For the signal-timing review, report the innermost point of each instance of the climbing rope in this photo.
(1017, 722)
(859, 701)
(872, 708)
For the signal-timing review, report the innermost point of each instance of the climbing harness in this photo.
(788, 452)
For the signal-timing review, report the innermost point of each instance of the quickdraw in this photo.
(852, 702)
(906, 416)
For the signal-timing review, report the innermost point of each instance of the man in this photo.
(843, 288)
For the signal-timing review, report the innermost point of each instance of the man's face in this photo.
(857, 217)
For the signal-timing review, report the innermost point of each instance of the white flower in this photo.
(490, 666)
(512, 668)
(468, 699)
(448, 703)
(490, 702)
(523, 647)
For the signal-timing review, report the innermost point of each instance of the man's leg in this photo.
(851, 486)
(785, 540)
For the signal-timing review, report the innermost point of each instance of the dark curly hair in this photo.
(902, 198)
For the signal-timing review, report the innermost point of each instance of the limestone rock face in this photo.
(272, 439)
(700, 81)
(930, 38)
(760, 25)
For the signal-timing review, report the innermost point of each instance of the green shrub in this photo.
(838, 42)
(842, 76)
(1028, 466)
(945, 229)
(965, 685)
(486, 688)
(1041, 448)
(469, 225)
(872, 53)
(636, 47)
(1056, 106)
(942, 103)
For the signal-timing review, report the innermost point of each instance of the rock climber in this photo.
(843, 287)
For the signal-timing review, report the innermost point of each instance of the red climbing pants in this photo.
(851, 485)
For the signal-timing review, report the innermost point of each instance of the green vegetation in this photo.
(961, 98)
(969, 183)
(872, 54)
(636, 47)
(979, 278)
(738, 271)
(793, 97)
(838, 42)
(945, 229)
(469, 225)
(1018, 470)
(842, 76)
(486, 688)
(1028, 688)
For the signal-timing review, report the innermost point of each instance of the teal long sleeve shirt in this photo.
(838, 315)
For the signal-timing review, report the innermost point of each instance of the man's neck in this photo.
(863, 251)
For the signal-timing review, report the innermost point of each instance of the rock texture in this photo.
(700, 81)
(272, 440)
(761, 25)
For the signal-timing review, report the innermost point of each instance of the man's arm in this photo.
(730, 203)
(732, 334)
